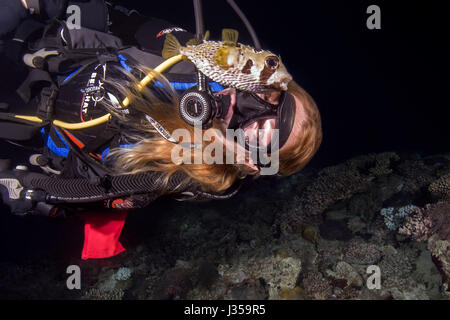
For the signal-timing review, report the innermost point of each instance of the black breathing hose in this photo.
(83, 190)
(249, 27)
(200, 24)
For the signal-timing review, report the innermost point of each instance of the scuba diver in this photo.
(118, 108)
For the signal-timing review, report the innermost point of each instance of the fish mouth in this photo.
(284, 83)
(279, 86)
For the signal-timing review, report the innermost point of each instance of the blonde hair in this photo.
(151, 152)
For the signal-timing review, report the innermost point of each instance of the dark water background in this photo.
(381, 90)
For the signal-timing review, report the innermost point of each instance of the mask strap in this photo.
(286, 117)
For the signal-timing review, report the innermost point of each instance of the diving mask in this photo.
(259, 119)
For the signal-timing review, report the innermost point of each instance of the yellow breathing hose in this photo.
(91, 123)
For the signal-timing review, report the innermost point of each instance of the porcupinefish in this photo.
(232, 64)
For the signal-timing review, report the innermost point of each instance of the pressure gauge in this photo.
(196, 107)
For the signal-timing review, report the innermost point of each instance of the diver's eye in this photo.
(272, 62)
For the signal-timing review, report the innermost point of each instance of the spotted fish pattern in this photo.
(233, 64)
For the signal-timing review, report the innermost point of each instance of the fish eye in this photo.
(272, 62)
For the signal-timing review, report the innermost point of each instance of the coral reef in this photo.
(342, 181)
(123, 274)
(316, 286)
(98, 294)
(440, 189)
(439, 214)
(361, 252)
(394, 217)
(396, 268)
(432, 223)
(417, 226)
(314, 235)
(416, 174)
(279, 272)
(174, 284)
(440, 249)
(344, 271)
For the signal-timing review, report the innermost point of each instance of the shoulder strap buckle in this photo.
(46, 108)
(37, 59)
